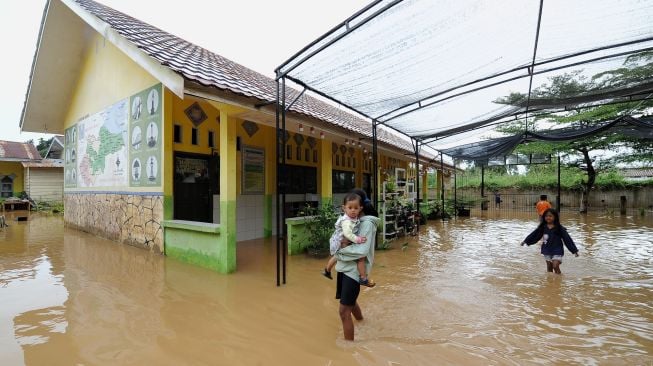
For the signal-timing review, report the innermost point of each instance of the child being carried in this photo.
(346, 227)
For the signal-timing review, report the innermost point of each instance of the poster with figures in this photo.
(145, 132)
(70, 157)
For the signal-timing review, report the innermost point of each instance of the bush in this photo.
(320, 224)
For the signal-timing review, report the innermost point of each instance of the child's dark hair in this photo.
(556, 219)
(352, 197)
(543, 197)
(368, 207)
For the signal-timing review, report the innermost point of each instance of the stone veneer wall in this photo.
(130, 219)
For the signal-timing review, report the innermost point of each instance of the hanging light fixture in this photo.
(322, 135)
(359, 144)
(312, 130)
(346, 142)
(301, 127)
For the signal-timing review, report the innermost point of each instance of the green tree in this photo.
(43, 146)
(587, 153)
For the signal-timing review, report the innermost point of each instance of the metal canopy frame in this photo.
(380, 8)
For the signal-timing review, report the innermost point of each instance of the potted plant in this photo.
(320, 227)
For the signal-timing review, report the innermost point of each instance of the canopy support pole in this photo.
(280, 160)
(455, 190)
(442, 185)
(375, 166)
(416, 145)
(558, 196)
(278, 187)
(284, 243)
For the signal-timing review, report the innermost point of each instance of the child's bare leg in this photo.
(331, 263)
(549, 266)
(326, 272)
(556, 267)
(362, 269)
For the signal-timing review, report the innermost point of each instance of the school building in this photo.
(171, 147)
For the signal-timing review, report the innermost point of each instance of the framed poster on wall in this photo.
(253, 172)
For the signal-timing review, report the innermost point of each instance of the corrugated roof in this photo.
(637, 172)
(45, 163)
(18, 151)
(200, 65)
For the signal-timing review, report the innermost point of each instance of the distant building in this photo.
(637, 174)
(12, 155)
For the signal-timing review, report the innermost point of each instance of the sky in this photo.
(258, 34)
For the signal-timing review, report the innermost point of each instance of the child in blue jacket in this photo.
(553, 235)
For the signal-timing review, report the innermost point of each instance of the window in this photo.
(194, 136)
(342, 181)
(289, 152)
(177, 134)
(211, 139)
(7, 187)
(307, 155)
(315, 156)
(337, 159)
(299, 153)
(300, 179)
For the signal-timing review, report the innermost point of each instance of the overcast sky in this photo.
(257, 34)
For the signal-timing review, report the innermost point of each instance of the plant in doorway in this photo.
(320, 225)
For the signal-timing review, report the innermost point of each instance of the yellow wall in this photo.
(107, 75)
(9, 168)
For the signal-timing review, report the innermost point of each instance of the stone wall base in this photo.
(129, 219)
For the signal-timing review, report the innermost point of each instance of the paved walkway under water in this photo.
(466, 293)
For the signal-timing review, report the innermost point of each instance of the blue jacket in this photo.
(552, 245)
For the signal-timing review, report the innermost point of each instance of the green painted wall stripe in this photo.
(227, 248)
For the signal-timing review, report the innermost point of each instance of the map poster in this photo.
(253, 179)
(102, 148)
(145, 138)
(70, 157)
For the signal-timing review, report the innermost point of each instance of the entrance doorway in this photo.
(196, 181)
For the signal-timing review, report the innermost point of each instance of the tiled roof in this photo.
(197, 64)
(18, 151)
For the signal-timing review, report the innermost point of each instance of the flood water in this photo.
(465, 294)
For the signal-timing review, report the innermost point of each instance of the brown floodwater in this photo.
(465, 294)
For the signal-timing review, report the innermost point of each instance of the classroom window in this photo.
(177, 134)
(315, 156)
(300, 179)
(342, 181)
(307, 155)
(193, 136)
(299, 153)
(289, 152)
(211, 139)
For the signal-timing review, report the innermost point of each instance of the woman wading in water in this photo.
(348, 286)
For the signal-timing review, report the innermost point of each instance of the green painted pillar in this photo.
(228, 182)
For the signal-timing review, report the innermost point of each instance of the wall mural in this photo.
(119, 146)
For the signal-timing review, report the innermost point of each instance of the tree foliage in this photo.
(588, 153)
(43, 146)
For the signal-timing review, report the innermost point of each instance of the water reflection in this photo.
(465, 293)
